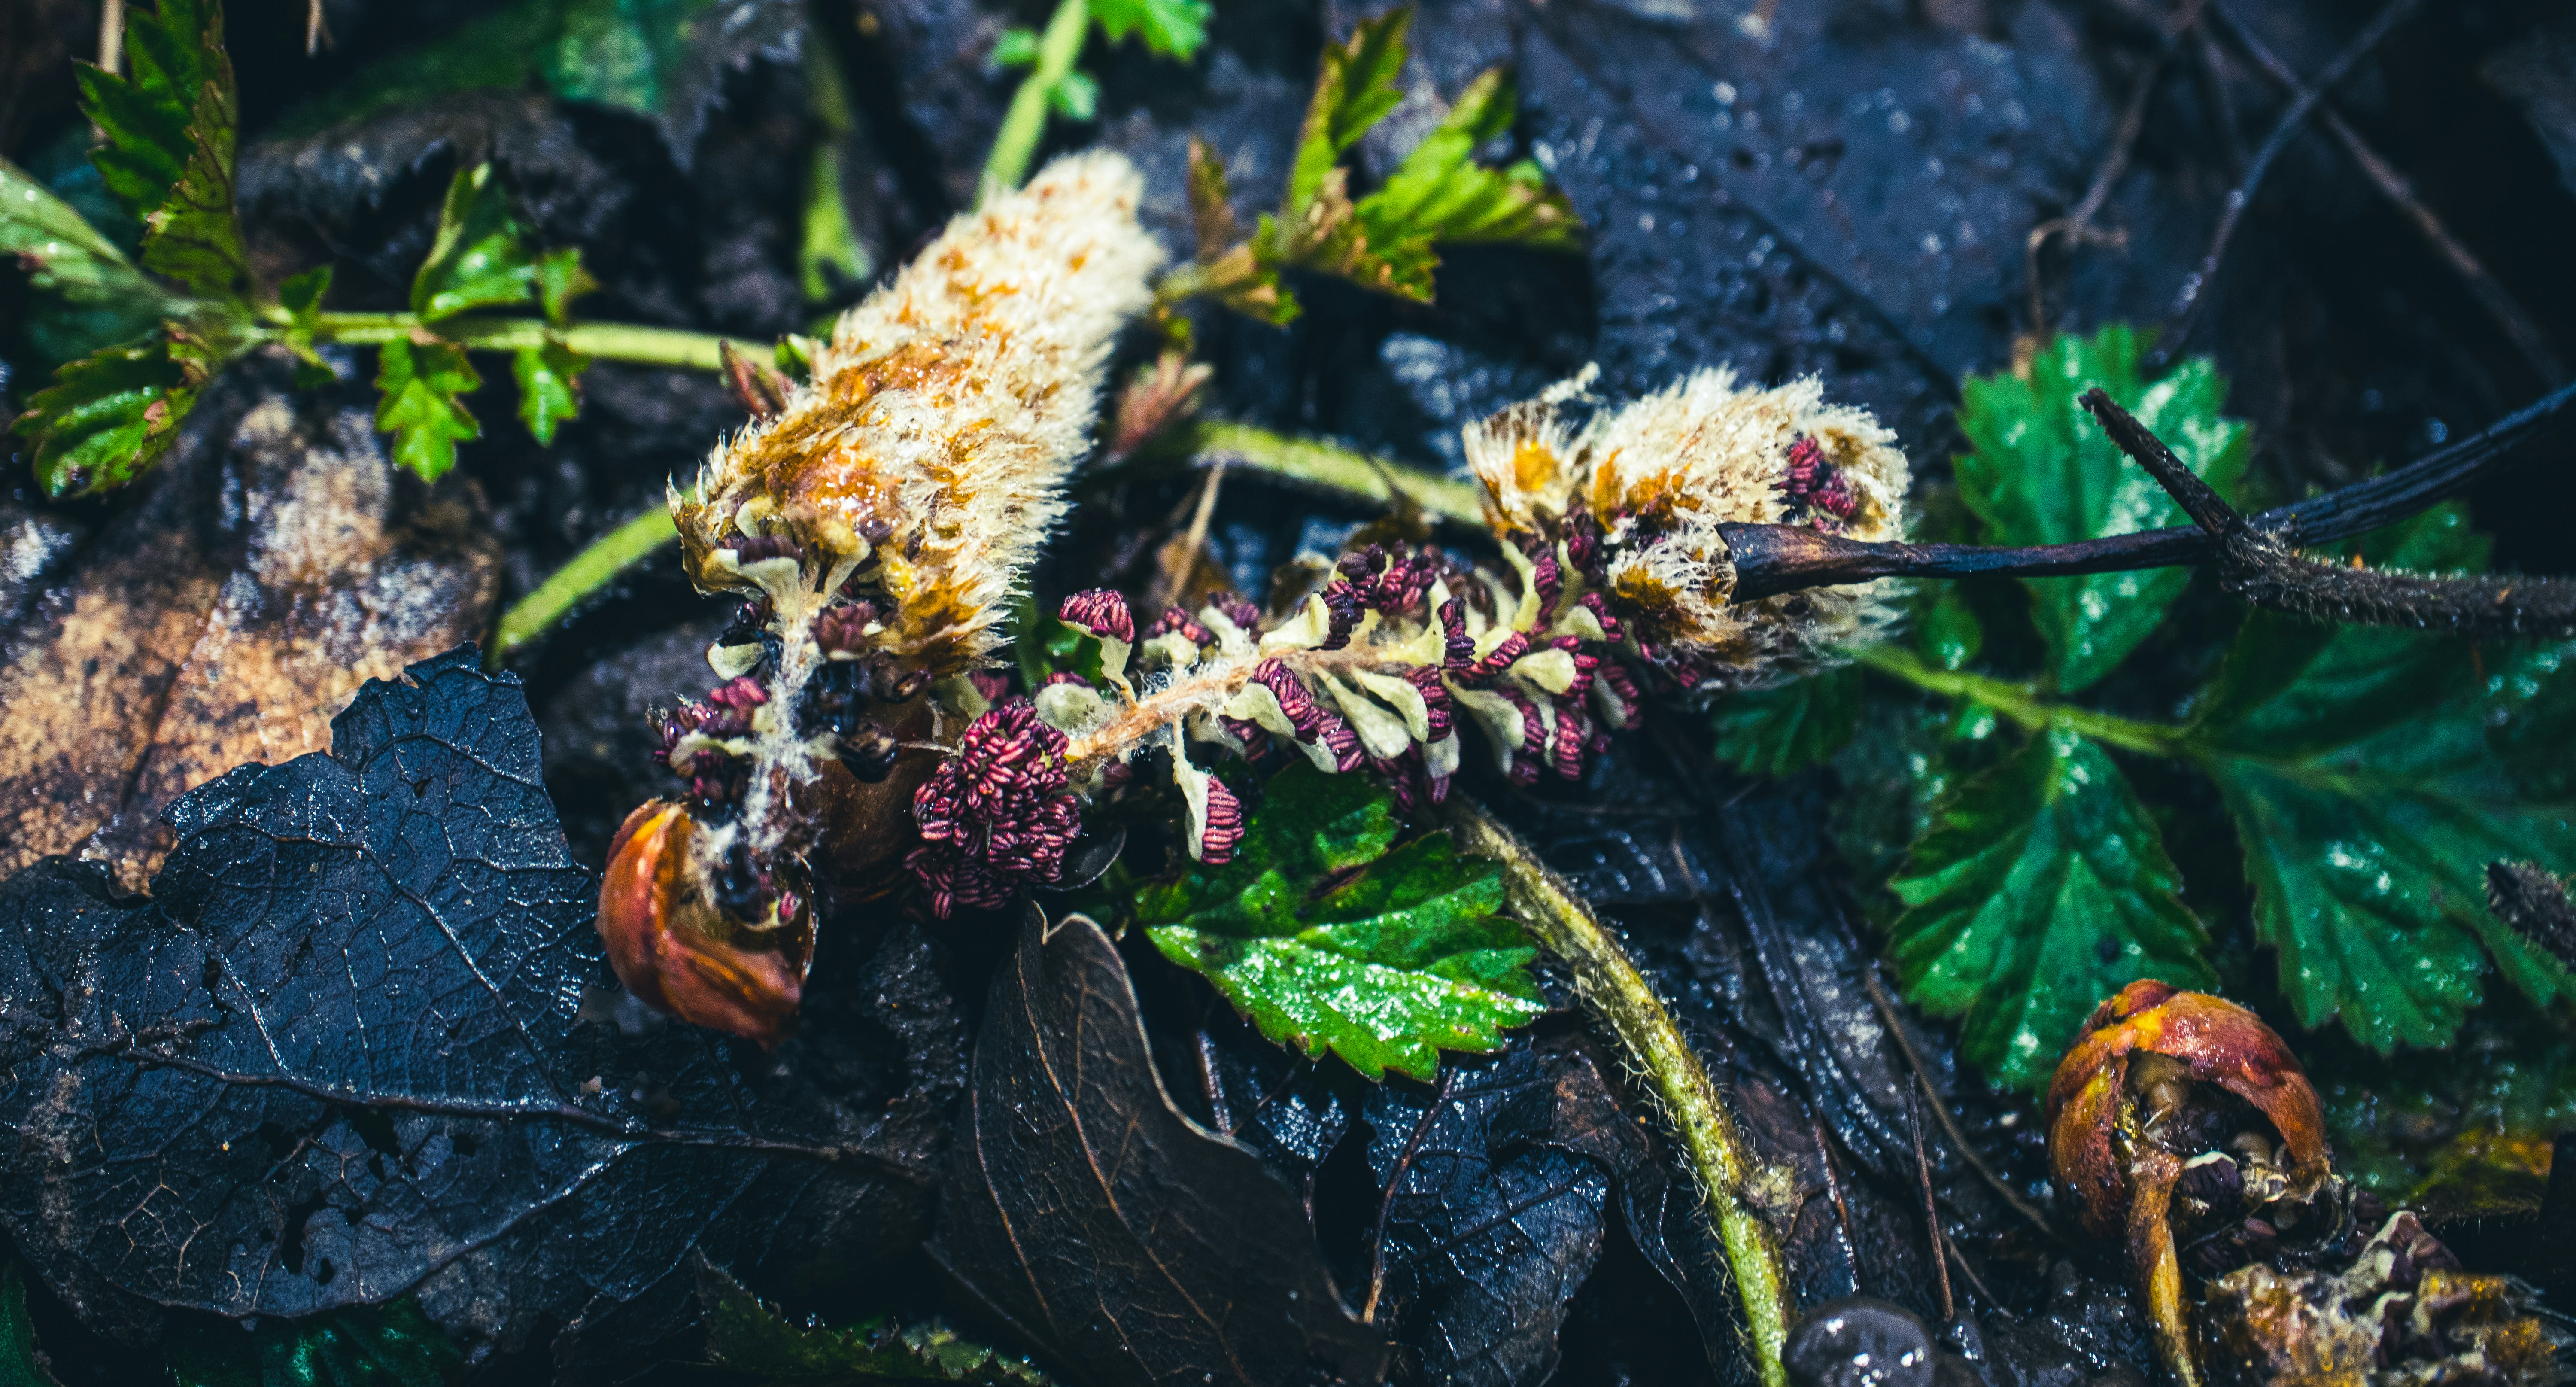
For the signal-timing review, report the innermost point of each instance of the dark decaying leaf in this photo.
(754, 1339)
(1499, 1180)
(224, 618)
(1128, 1242)
(342, 1056)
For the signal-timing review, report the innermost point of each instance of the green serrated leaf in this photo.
(1439, 194)
(1172, 28)
(1948, 631)
(828, 253)
(22, 1364)
(561, 279)
(1787, 728)
(194, 236)
(1354, 90)
(549, 386)
(480, 258)
(420, 386)
(391, 1345)
(1331, 937)
(301, 297)
(2041, 888)
(747, 1335)
(175, 53)
(2040, 471)
(2372, 774)
(107, 417)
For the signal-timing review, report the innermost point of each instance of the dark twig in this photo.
(1931, 1209)
(2077, 226)
(1949, 1124)
(1834, 1196)
(2517, 325)
(1773, 559)
(2195, 288)
(1395, 1177)
(2258, 562)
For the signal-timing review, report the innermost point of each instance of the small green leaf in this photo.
(419, 385)
(560, 280)
(1441, 195)
(2041, 888)
(301, 297)
(1172, 28)
(549, 386)
(1077, 97)
(479, 259)
(1017, 47)
(391, 1345)
(747, 1335)
(194, 236)
(1330, 936)
(2040, 471)
(2372, 775)
(1354, 90)
(22, 1363)
(175, 51)
(1787, 728)
(107, 417)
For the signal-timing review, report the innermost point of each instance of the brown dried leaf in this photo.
(1130, 1243)
(224, 621)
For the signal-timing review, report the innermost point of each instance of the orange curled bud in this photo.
(2125, 1124)
(680, 954)
(2214, 1041)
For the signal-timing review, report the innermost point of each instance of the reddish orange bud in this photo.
(680, 954)
(2215, 1041)
(2121, 1129)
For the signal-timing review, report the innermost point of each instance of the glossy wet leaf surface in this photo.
(2040, 471)
(1330, 935)
(2041, 888)
(342, 1055)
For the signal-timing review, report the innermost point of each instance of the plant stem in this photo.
(1338, 469)
(591, 569)
(2022, 703)
(1025, 122)
(650, 346)
(1610, 984)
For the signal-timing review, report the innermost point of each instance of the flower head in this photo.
(996, 815)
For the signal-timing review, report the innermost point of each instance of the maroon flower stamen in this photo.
(1102, 612)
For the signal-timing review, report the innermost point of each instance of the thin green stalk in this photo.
(649, 346)
(1610, 984)
(2022, 703)
(1025, 122)
(591, 569)
(1337, 469)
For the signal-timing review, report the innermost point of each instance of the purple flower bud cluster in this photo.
(1818, 487)
(1175, 619)
(996, 815)
(1314, 722)
(716, 778)
(1100, 611)
(1224, 825)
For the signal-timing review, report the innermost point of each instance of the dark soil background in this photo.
(1844, 190)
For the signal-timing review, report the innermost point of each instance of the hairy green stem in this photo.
(1025, 122)
(648, 346)
(1337, 469)
(1610, 984)
(2023, 703)
(590, 570)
